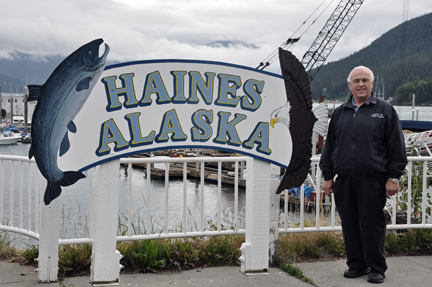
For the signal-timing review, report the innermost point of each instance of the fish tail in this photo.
(70, 177)
(53, 189)
(321, 113)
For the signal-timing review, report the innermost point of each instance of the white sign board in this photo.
(155, 105)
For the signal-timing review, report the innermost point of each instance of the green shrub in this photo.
(31, 254)
(74, 259)
(143, 256)
(182, 254)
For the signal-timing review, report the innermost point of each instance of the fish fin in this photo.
(52, 191)
(70, 177)
(321, 113)
(65, 145)
(31, 152)
(34, 92)
(84, 84)
(72, 127)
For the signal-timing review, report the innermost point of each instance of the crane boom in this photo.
(327, 38)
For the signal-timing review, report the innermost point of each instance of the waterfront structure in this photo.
(18, 102)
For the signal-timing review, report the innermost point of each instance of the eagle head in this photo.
(281, 115)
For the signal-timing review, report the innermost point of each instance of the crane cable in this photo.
(274, 55)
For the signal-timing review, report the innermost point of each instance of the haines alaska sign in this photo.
(155, 105)
(105, 113)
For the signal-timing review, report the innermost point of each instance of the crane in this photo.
(330, 34)
(327, 38)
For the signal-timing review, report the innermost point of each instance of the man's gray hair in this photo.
(361, 67)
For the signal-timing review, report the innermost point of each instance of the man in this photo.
(365, 148)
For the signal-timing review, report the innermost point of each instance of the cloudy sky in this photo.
(181, 29)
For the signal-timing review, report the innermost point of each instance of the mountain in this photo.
(382, 56)
(26, 68)
(17, 85)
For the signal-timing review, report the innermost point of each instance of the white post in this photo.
(274, 212)
(413, 106)
(314, 147)
(255, 250)
(48, 240)
(105, 258)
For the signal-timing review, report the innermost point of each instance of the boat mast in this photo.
(11, 105)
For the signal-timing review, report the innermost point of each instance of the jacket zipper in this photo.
(352, 153)
(354, 121)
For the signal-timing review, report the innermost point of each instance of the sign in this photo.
(146, 106)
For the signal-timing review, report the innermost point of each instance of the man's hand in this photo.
(391, 188)
(328, 187)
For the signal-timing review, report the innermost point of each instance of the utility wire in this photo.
(291, 41)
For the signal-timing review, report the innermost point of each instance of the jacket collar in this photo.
(348, 104)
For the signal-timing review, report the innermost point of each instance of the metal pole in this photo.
(26, 111)
(11, 104)
(1, 107)
(413, 105)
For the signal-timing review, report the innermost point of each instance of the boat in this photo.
(26, 138)
(7, 137)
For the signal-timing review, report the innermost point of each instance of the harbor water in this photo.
(74, 202)
(404, 112)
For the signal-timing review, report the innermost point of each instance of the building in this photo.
(18, 102)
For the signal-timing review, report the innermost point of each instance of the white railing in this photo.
(19, 212)
(184, 232)
(19, 209)
(325, 223)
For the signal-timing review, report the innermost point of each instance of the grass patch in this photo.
(74, 260)
(179, 254)
(311, 246)
(7, 249)
(412, 242)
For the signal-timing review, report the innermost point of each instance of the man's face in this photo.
(361, 84)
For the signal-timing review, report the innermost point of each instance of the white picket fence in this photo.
(22, 211)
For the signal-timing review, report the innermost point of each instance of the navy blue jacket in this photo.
(368, 143)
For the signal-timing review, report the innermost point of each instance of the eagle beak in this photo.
(273, 121)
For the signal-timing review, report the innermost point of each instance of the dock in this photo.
(309, 203)
(175, 170)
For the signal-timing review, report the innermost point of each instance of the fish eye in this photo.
(90, 52)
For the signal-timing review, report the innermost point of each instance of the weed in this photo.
(413, 242)
(31, 254)
(220, 250)
(292, 270)
(74, 259)
(7, 249)
(143, 256)
(392, 244)
(182, 254)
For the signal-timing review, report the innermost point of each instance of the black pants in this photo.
(360, 202)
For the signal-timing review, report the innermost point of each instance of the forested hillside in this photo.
(382, 56)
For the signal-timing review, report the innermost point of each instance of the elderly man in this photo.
(365, 148)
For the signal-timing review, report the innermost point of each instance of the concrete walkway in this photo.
(409, 271)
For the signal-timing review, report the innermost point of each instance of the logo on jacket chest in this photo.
(377, 115)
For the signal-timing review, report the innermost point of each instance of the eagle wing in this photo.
(302, 120)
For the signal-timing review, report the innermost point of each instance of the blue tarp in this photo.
(296, 190)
